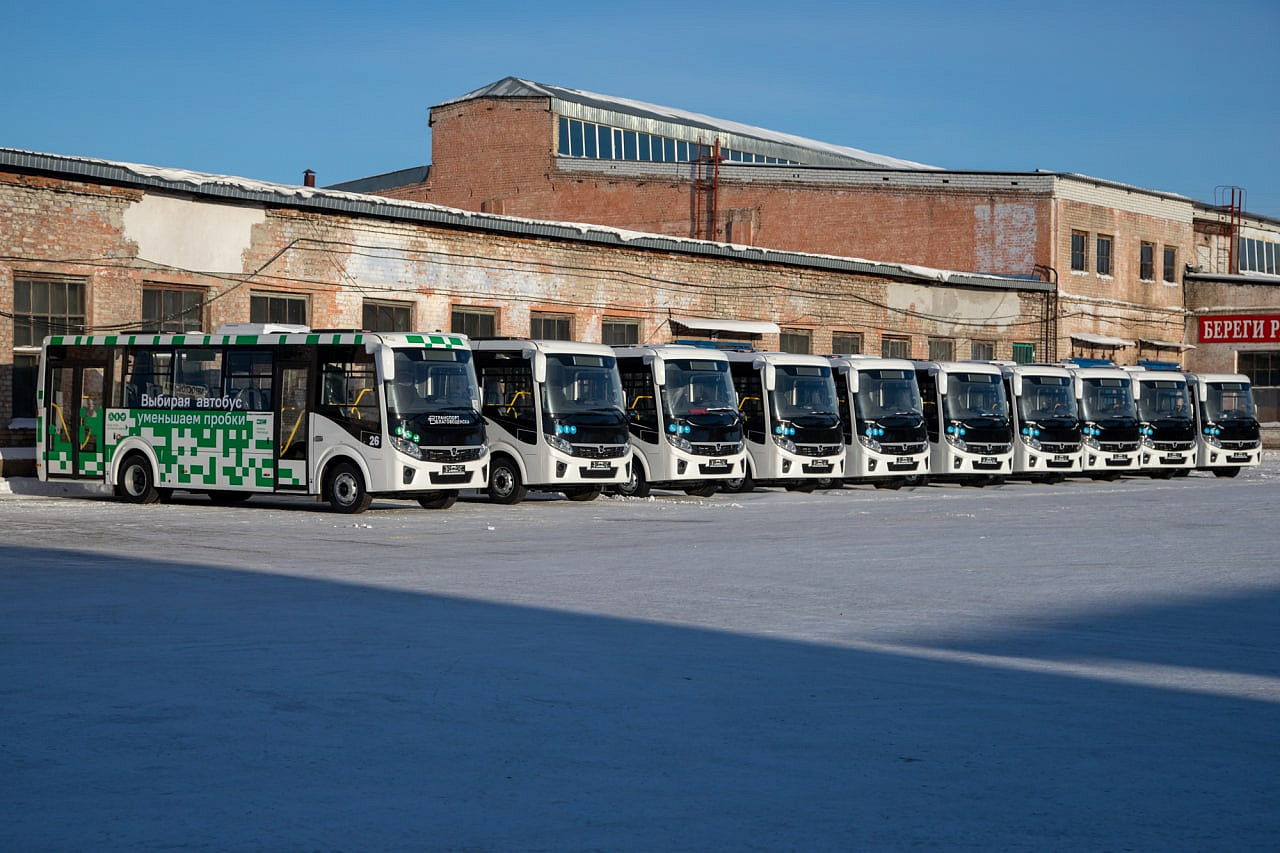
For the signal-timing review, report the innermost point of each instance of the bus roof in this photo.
(433, 340)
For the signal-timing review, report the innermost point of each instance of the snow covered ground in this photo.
(1084, 666)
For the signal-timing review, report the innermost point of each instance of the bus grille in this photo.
(727, 449)
(989, 449)
(909, 449)
(601, 451)
(1240, 445)
(817, 449)
(452, 454)
(1118, 446)
(1060, 447)
(1166, 446)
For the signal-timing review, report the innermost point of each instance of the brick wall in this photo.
(337, 261)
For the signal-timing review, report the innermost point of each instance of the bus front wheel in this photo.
(636, 486)
(345, 490)
(137, 483)
(505, 484)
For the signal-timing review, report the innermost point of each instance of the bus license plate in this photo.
(600, 465)
(1238, 457)
(1173, 459)
(717, 463)
(455, 469)
(989, 460)
(1119, 457)
(904, 460)
(1062, 457)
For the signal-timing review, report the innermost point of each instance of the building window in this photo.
(1024, 353)
(1104, 255)
(592, 141)
(387, 316)
(278, 308)
(846, 343)
(615, 331)
(1079, 250)
(41, 307)
(942, 349)
(1147, 262)
(550, 327)
(172, 309)
(982, 350)
(893, 347)
(1170, 265)
(46, 307)
(794, 340)
(1263, 369)
(474, 322)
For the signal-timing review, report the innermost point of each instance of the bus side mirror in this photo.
(852, 379)
(539, 367)
(659, 372)
(770, 377)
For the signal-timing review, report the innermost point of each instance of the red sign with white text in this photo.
(1240, 329)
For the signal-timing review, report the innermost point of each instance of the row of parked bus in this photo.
(350, 415)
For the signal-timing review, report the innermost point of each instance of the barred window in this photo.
(474, 322)
(387, 316)
(172, 309)
(278, 308)
(616, 331)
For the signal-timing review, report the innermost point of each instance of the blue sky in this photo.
(1173, 96)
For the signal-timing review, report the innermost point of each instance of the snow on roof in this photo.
(515, 87)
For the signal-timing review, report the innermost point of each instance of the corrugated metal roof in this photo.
(230, 188)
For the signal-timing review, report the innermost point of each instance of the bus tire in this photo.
(738, 484)
(582, 493)
(892, 485)
(345, 491)
(505, 484)
(137, 483)
(703, 490)
(439, 500)
(636, 486)
(1225, 472)
(808, 487)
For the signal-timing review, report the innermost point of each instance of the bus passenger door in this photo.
(74, 437)
(292, 416)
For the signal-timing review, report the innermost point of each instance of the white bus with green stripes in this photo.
(263, 409)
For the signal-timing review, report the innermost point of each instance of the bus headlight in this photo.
(869, 443)
(785, 443)
(957, 442)
(408, 448)
(558, 443)
(679, 442)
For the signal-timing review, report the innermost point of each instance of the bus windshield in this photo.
(432, 380)
(1105, 397)
(1228, 400)
(975, 395)
(697, 386)
(1046, 397)
(886, 393)
(581, 383)
(1164, 399)
(803, 389)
